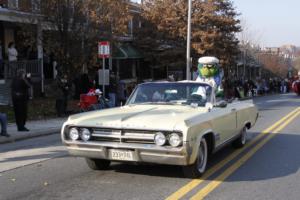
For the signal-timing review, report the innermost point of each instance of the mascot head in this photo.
(208, 67)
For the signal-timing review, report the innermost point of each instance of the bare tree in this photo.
(78, 25)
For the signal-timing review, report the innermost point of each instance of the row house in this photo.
(248, 64)
(126, 58)
(21, 24)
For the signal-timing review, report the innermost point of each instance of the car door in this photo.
(224, 123)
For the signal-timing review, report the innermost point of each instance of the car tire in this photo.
(241, 140)
(198, 168)
(97, 164)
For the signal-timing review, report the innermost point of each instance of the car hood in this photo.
(153, 117)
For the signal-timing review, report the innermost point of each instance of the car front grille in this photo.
(123, 136)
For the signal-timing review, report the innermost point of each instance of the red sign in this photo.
(103, 49)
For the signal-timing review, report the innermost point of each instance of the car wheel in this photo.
(198, 168)
(97, 164)
(241, 140)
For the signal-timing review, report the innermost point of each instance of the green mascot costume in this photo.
(210, 72)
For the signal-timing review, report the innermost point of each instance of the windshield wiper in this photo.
(163, 103)
(154, 103)
(158, 102)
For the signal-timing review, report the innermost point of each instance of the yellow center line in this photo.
(215, 183)
(195, 182)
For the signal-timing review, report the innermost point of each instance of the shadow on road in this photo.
(278, 158)
(149, 170)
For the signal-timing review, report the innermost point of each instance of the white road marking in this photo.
(22, 157)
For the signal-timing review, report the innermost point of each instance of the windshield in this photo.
(195, 94)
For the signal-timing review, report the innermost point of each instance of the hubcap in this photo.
(202, 156)
(244, 136)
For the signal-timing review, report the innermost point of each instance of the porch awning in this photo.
(126, 51)
(19, 16)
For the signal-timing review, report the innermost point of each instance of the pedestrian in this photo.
(62, 88)
(282, 86)
(20, 95)
(3, 122)
(271, 84)
(85, 83)
(12, 52)
(113, 88)
(1, 61)
(121, 93)
(12, 58)
(246, 88)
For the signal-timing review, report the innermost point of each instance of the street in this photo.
(40, 168)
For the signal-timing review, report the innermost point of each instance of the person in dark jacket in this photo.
(20, 95)
(85, 83)
(62, 88)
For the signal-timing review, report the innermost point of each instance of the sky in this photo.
(270, 23)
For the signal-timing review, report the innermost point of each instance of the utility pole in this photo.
(244, 62)
(188, 46)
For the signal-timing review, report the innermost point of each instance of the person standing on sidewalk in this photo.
(3, 122)
(62, 88)
(12, 52)
(19, 91)
(12, 59)
(1, 61)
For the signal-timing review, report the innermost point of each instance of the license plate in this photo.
(121, 155)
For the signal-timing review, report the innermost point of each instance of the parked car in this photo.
(296, 87)
(173, 123)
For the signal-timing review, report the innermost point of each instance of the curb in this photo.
(25, 136)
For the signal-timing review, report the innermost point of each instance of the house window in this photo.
(130, 27)
(3, 3)
(13, 4)
(36, 5)
(22, 5)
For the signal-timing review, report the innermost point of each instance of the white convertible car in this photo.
(174, 123)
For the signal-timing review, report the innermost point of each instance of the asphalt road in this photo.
(41, 169)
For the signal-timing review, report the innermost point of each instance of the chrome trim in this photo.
(142, 136)
(142, 153)
(104, 127)
(98, 144)
(124, 135)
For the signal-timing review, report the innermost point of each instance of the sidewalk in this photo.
(37, 128)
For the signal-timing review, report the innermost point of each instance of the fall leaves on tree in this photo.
(214, 25)
(275, 63)
(78, 25)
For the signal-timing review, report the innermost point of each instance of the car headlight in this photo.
(74, 134)
(160, 139)
(85, 134)
(175, 140)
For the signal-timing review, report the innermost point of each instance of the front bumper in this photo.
(147, 153)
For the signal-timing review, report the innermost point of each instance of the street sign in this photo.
(103, 78)
(103, 52)
(103, 49)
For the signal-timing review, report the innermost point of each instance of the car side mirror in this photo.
(221, 104)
